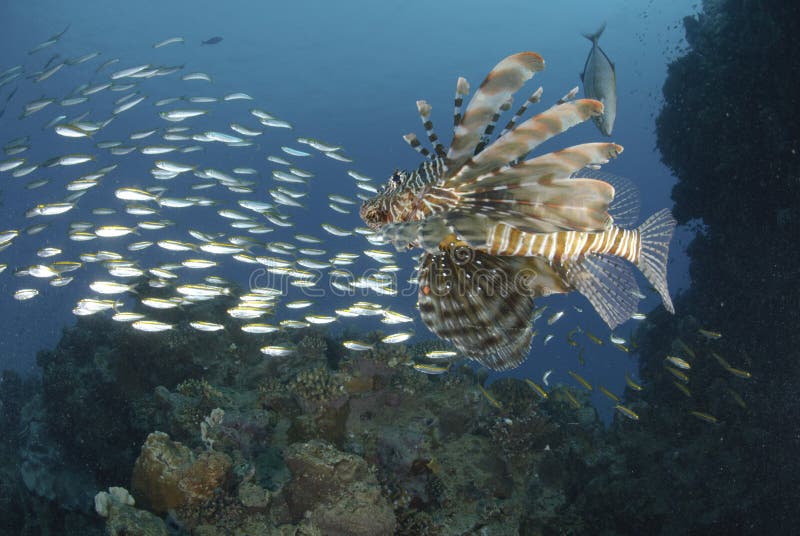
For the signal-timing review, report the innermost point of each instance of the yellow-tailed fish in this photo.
(492, 400)
(705, 417)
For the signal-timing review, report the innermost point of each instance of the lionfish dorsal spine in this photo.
(412, 140)
(462, 90)
(527, 136)
(505, 79)
(569, 96)
(487, 132)
(535, 97)
(424, 110)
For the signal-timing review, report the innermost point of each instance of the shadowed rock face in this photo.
(339, 490)
(729, 130)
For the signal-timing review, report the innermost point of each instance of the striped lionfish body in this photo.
(499, 230)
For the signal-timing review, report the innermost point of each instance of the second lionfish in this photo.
(499, 230)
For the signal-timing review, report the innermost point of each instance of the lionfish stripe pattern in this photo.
(500, 84)
(473, 300)
(498, 230)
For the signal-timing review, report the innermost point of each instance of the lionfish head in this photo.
(375, 212)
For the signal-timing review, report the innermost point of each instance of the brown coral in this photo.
(167, 475)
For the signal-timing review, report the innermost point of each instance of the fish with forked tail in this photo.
(600, 82)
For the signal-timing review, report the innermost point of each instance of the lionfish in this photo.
(498, 230)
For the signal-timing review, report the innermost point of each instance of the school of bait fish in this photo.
(496, 230)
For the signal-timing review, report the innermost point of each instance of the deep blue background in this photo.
(345, 72)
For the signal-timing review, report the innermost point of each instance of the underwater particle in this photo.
(627, 412)
(706, 417)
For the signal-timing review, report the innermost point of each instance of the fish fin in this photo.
(487, 132)
(424, 110)
(536, 196)
(412, 140)
(535, 97)
(502, 81)
(656, 234)
(462, 90)
(426, 234)
(477, 302)
(524, 138)
(624, 208)
(594, 37)
(609, 285)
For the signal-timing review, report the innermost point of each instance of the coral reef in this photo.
(169, 476)
(330, 441)
(337, 491)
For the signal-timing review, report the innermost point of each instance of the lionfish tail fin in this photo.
(656, 234)
(609, 285)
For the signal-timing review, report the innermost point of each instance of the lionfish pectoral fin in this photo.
(656, 234)
(624, 208)
(609, 285)
(426, 234)
(541, 278)
(476, 302)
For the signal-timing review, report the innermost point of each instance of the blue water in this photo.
(344, 72)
